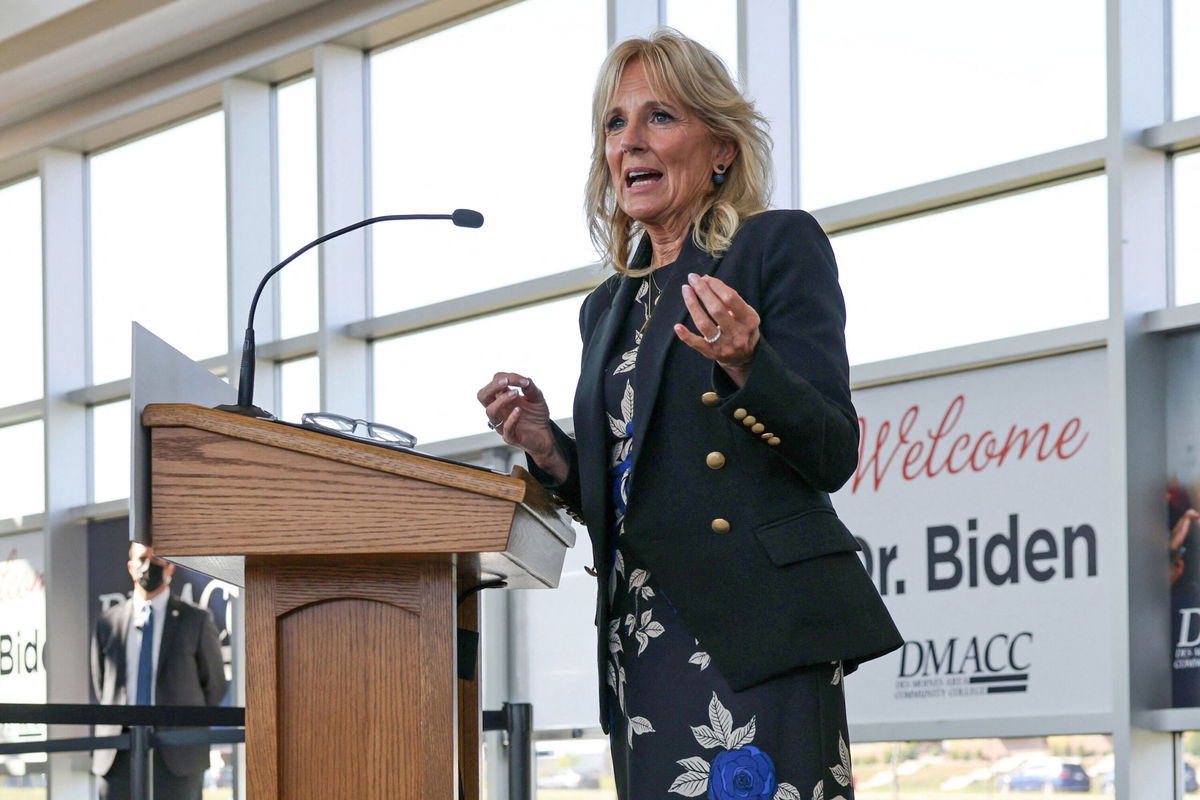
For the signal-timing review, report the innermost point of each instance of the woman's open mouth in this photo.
(636, 178)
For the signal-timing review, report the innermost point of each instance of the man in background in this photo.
(155, 649)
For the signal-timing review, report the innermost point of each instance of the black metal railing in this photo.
(220, 725)
(209, 725)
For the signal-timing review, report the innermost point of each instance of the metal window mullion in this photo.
(980, 355)
(1173, 319)
(21, 412)
(768, 55)
(628, 18)
(969, 187)
(112, 391)
(67, 454)
(250, 220)
(1141, 679)
(1179, 134)
(250, 223)
(342, 199)
(490, 301)
(26, 524)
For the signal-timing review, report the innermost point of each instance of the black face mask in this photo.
(150, 577)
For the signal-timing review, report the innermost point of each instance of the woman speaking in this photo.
(712, 418)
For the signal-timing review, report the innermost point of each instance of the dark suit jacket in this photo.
(783, 588)
(190, 672)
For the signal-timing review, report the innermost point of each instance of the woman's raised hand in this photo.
(516, 409)
(728, 325)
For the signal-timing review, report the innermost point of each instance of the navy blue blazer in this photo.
(751, 553)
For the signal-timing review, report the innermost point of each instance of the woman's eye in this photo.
(661, 117)
(615, 123)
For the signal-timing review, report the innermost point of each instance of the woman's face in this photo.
(660, 156)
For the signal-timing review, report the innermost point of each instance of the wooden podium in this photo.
(354, 560)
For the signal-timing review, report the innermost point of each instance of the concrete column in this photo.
(768, 44)
(1138, 276)
(344, 269)
(68, 456)
(250, 224)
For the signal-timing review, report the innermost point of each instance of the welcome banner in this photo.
(22, 638)
(980, 505)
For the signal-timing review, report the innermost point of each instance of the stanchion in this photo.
(139, 762)
(516, 719)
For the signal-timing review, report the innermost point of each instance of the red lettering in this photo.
(1026, 441)
(1066, 435)
(964, 440)
(911, 457)
(949, 420)
(879, 469)
(926, 455)
(985, 441)
(18, 578)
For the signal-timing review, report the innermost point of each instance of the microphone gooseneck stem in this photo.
(461, 217)
(246, 374)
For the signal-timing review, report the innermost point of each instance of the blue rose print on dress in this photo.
(740, 771)
(743, 773)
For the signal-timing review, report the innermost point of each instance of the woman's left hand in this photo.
(727, 324)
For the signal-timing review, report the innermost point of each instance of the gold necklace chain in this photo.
(651, 300)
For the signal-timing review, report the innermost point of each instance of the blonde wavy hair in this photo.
(684, 71)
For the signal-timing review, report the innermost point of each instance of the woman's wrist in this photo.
(551, 462)
(736, 374)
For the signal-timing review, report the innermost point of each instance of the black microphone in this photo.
(462, 217)
(466, 218)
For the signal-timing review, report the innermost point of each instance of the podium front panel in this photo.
(352, 680)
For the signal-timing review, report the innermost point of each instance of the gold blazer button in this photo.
(740, 413)
(749, 420)
(758, 427)
(720, 525)
(715, 460)
(774, 440)
(768, 435)
(710, 399)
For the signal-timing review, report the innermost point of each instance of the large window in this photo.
(158, 244)
(21, 287)
(894, 94)
(1185, 75)
(1020, 264)
(982, 768)
(1187, 237)
(110, 451)
(713, 23)
(299, 388)
(22, 470)
(1190, 745)
(972, 769)
(506, 132)
(296, 137)
(426, 382)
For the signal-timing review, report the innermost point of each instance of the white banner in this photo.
(980, 503)
(23, 637)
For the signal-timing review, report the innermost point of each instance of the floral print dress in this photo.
(677, 727)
